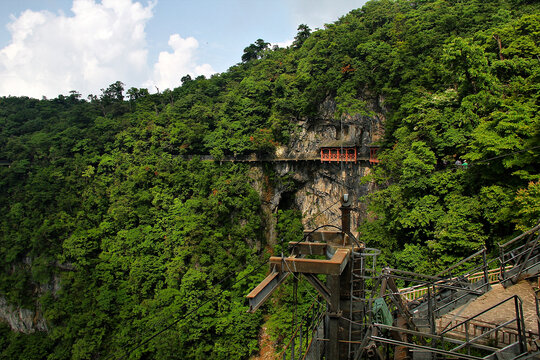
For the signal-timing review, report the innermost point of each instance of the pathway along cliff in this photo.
(296, 178)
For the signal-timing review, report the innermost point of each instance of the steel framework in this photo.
(366, 316)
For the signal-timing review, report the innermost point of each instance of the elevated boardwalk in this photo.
(269, 159)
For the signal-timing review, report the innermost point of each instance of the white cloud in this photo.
(100, 43)
(51, 54)
(171, 67)
(283, 44)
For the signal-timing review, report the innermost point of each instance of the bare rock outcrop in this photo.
(319, 186)
(21, 319)
(28, 320)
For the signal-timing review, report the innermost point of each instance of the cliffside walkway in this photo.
(270, 159)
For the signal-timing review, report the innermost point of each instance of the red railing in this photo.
(338, 154)
(373, 155)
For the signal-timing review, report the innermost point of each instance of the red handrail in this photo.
(339, 154)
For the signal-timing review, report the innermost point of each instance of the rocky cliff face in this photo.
(24, 319)
(313, 187)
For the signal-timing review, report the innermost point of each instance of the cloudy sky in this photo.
(49, 47)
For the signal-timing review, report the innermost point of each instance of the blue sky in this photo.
(49, 47)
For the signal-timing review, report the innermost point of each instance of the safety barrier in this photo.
(415, 292)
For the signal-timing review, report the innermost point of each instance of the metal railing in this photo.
(453, 284)
(518, 319)
(518, 252)
(536, 343)
(498, 338)
(437, 294)
(415, 292)
(445, 342)
(305, 334)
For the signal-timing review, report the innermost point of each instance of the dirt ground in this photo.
(267, 351)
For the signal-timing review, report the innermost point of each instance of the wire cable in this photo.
(305, 288)
(505, 155)
(214, 286)
(313, 217)
(320, 212)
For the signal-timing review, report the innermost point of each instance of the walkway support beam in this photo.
(334, 266)
(259, 295)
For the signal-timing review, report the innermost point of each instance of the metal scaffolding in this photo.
(366, 316)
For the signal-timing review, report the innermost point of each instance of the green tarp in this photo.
(381, 314)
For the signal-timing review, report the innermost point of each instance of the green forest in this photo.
(108, 198)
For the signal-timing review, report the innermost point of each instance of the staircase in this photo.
(519, 258)
(449, 290)
(439, 317)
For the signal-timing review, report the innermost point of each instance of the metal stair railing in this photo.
(518, 252)
(537, 305)
(450, 288)
(443, 343)
(415, 292)
(501, 337)
(518, 319)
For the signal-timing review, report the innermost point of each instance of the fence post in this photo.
(502, 260)
(536, 300)
(467, 337)
(520, 327)
(486, 276)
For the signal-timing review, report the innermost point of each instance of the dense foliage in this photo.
(108, 195)
(471, 96)
(140, 235)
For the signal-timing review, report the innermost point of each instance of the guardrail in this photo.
(305, 334)
(519, 251)
(415, 292)
(499, 336)
(466, 325)
(537, 303)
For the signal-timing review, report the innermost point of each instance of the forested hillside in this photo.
(113, 230)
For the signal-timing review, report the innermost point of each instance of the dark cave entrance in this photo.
(286, 202)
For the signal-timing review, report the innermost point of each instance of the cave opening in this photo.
(286, 202)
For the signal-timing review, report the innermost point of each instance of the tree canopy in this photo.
(108, 195)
